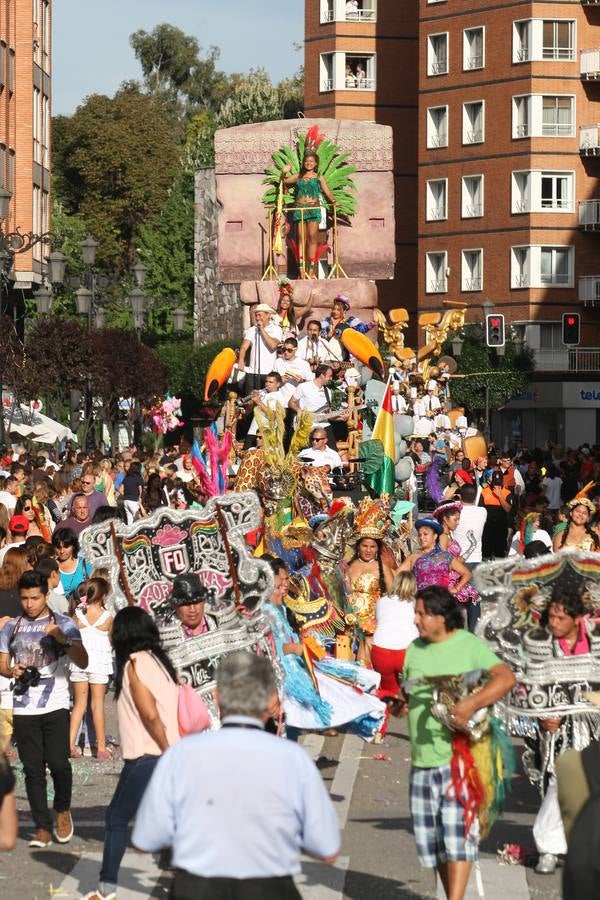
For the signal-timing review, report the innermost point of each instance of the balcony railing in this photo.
(438, 67)
(589, 64)
(590, 2)
(473, 211)
(474, 137)
(474, 62)
(589, 291)
(575, 359)
(440, 139)
(589, 140)
(327, 84)
(361, 15)
(520, 281)
(438, 286)
(472, 284)
(589, 215)
(436, 213)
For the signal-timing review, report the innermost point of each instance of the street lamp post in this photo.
(11, 244)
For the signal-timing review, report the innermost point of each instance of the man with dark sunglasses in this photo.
(292, 369)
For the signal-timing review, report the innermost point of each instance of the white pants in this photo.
(132, 508)
(548, 831)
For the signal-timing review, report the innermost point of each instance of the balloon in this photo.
(219, 371)
(363, 349)
(404, 425)
(404, 469)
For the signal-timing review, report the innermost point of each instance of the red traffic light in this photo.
(571, 329)
(570, 320)
(495, 323)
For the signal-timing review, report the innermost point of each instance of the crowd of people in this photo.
(393, 612)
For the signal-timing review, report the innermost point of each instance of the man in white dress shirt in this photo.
(292, 368)
(314, 348)
(319, 454)
(267, 398)
(238, 806)
(262, 341)
(314, 396)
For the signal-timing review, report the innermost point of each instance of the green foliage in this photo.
(115, 161)
(291, 94)
(199, 150)
(186, 366)
(333, 166)
(254, 99)
(166, 246)
(504, 376)
(175, 70)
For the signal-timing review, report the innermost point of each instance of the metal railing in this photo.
(472, 284)
(522, 54)
(564, 359)
(557, 129)
(435, 213)
(438, 286)
(520, 281)
(438, 67)
(589, 215)
(589, 139)
(473, 211)
(327, 84)
(558, 53)
(474, 62)
(589, 63)
(589, 290)
(522, 130)
(474, 137)
(440, 139)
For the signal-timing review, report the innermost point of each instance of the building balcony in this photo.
(574, 359)
(589, 139)
(589, 291)
(590, 2)
(337, 11)
(589, 215)
(589, 64)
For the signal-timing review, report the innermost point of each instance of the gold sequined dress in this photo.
(365, 593)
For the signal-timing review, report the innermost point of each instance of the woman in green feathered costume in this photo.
(309, 187)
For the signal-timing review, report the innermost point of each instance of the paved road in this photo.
(378, 860)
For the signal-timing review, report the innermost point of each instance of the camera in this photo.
(30, 677)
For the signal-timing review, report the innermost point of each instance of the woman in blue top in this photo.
(73, 569)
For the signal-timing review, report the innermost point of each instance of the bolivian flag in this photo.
(383, 481)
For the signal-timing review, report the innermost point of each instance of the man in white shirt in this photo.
(399, 404)
(314, 348)
(262, 340)
(10, 493)
(314, 396)
(319, 454)
(468, 534)
(267, 398)
(292, 368)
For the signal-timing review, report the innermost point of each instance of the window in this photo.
(555, 266)
(326, 71)
(437, 200)
(437, 54)
(472, 196)
(521, 41)
(37, 153)
(539, 267)
(471, 277)
(2, 165)
(473, 48)
(437, 127)
(45, 135)
(360, 72)
(3, 72)
(11, 71)
(37, 49)
(537, 115)
(551, 336)
(543, 39)
(327, 11)
(539, 191)
(557, 115)
(558, 39)
(521, 192)
(359, 10)
(435, 273)
(473, 122)
(556, 191)
(519, 268)
(11, 171)
(46, 27)
(521, 116)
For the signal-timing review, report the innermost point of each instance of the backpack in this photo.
(581, 874)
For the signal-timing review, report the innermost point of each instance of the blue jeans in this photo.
(133, 781)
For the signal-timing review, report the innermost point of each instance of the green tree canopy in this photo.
(115, 162)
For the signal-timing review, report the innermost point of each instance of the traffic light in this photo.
(494, 330)
(571, 328)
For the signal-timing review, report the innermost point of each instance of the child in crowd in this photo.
(94, 622)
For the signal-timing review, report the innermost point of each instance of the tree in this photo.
(116, 159)
(166, 246)
(291, 94)
(186, 366)
(503, 376)
(123, 368)
(254, 99)
(174, 69)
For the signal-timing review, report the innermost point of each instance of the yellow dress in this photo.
(365, 593)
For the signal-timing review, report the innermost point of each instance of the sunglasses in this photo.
(27, 508)
(288, 349)
(319, 439)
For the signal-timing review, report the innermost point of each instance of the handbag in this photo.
(192, 714)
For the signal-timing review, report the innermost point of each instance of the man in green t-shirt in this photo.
(444, 648)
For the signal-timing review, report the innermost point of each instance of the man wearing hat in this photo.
(262, 340)
(18, 527)
(188, 601)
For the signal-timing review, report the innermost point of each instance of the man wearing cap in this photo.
(18, 527)
(238, 806)
(262, 340)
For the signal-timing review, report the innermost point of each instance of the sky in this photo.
(91, 51)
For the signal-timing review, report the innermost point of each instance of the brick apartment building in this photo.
(25, 97)
(503, 99)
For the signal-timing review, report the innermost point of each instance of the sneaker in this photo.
(42, 838)
(546, 864)
(63, 830)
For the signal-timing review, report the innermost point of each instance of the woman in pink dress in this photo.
(448, 515)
